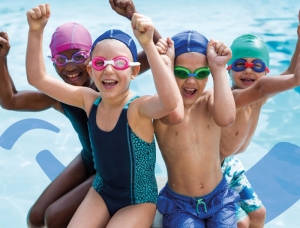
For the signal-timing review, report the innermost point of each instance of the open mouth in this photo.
(109, 84)
(74, 76)
(248, 81)
(189, 93)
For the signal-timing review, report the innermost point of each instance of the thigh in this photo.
(63, 184)
(138, 215)
(224, 218)
(92, 212)
(62, 210)
(181, 220)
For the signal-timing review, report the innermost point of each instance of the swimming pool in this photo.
(21, 178)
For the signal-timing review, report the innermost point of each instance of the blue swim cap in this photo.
(249, 46)
(121, 36)
(189, 41)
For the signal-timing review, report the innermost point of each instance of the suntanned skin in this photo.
(53, 207)
(191, 149)
(249, 98)
(114, 87)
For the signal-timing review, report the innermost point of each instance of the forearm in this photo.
(142, 57)
(35, 66)
(224, 106)
(272, 85)
(164, 79)
(6, 88)
(293, 63)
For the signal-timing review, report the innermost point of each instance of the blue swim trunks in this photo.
(234, 173)
(216, 209)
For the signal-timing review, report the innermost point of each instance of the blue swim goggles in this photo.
(241, 64)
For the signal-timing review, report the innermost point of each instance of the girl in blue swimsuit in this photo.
(124, 191)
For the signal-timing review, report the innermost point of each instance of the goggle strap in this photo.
(229, 67)
(267, 70)
(134, 63)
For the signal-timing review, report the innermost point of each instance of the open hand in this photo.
(37, 17)
(125, 8)
(143, 28)
(4, 45)
(218, 54)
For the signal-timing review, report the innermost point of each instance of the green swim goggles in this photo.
(184, 73)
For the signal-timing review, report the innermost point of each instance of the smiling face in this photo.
(246, 78)
(110, 81)
(191, 88)
(73, 73)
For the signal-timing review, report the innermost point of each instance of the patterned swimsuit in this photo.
(124, 163)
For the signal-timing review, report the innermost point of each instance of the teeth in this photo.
(72, 75)
(109, 81)
(190, 90)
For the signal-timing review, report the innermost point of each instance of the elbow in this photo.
(227, 120)
(8, 105)
(172, 104)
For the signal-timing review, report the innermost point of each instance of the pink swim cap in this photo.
(70, 36)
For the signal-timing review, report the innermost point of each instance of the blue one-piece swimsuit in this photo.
(79, 121)
(124, 163)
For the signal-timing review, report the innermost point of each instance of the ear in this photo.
(89, 69)
(134, 72)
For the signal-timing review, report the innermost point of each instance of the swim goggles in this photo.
(119, 63)
(241, 64)
(183, 73)
(62, 60)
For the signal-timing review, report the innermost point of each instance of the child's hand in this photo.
(4, 45)
(218, 54)
(125, 8)
(37, 17)
(166, 50)
(143, 28)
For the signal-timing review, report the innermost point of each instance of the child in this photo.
(120, 125)
(196, 194)
(251, 90)
(53, 207)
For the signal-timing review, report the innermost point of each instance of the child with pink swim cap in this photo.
(59, 201)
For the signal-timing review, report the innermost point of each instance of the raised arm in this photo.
(293, 63)
(10, 98)
(126, 8)
(35, 67)
(221, 103)
(266, 87)
(168, 98)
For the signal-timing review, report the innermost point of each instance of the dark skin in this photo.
(59, 201)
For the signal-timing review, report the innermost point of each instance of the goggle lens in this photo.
(62, 60)
(184, 73)
(119, 63)
(241, 64)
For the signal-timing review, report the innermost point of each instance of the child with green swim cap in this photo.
(251, 89)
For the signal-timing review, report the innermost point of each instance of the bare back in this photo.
(191, 150)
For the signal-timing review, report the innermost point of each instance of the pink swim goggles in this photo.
(119, 63)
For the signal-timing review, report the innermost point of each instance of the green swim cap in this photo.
(249, 46)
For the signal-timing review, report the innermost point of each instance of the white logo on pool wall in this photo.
(269, 176)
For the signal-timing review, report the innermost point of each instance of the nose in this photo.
(109, 69)
(191, 80)
(70, 66)
(248, 70)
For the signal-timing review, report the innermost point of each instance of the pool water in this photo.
(21, 178)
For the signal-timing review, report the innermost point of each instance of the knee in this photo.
(35, 218)
(51, 218)
(245, 223)
(258, 216)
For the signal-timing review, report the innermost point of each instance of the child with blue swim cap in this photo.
(70, 45)
(251, 89)
(196, 194)
(124, 191)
